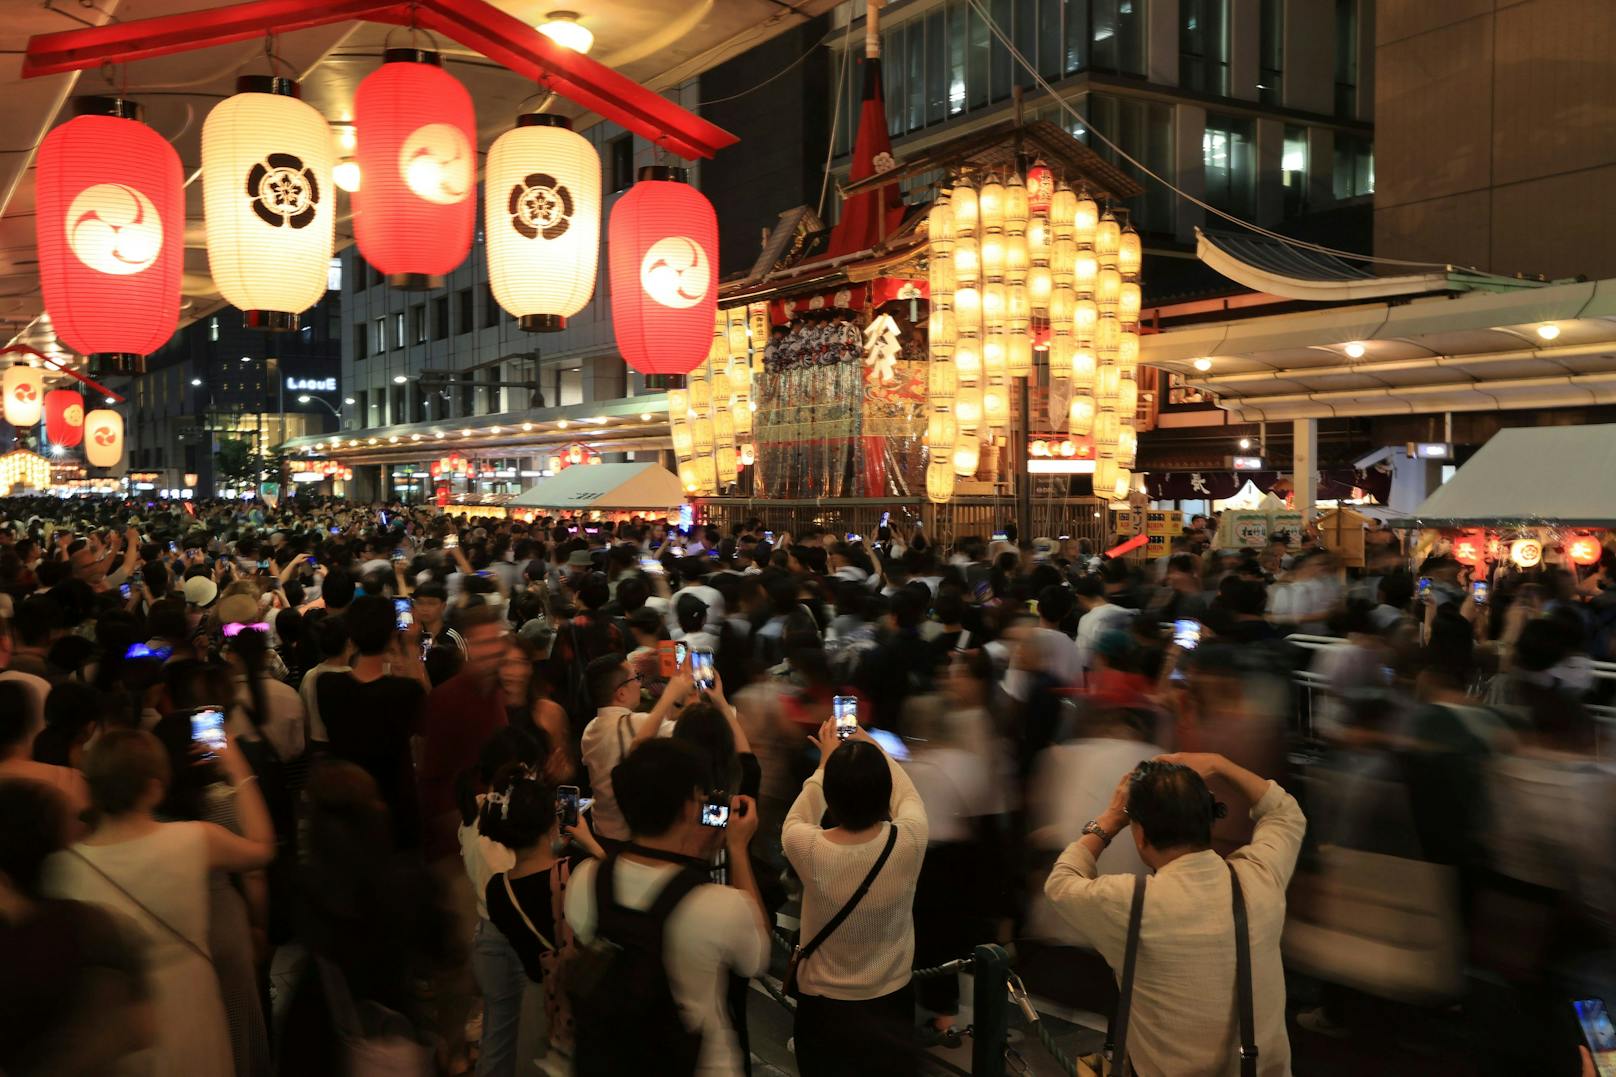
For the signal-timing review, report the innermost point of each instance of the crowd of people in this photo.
(328, 788)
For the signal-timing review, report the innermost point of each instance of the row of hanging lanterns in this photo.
(111, 217)
(711, 419)
(24, 402)
(1005, 256)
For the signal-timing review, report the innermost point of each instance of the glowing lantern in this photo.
(1526, 553)
(24, 468)
(23, 387)
(1583, 550)
(1471, 549)
(1040, 187)
(663, 243)
(103, 438)
(542, 221)
(748, 454)
(64, 418)
(1080, 416)
(109, 222)
(939, 481)
(967, 456)
(417, 151)
(266, 192)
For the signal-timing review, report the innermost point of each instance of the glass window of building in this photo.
(1293, 170)
(1203, 46)
(620, 152)
(1354, 173)
(361, 340)
(571, 386)
(1117, 32)
(1271, 52)
(463, 315)
(418, 323)
(1228, 151)
(1346, 57)
(361, 413)
(440, 317)
(213, 328)
(378, 338)
(491, 310)
(1144, 130)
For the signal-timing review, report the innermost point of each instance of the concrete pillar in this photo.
(1305, 466)
(1270, 155)
(1161, 42)
(1245, 39)
(1320, 168)
(1308, 79)
(1190, 132)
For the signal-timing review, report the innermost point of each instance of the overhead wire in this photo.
(1291, 241)
(835, 118)
(783, 71)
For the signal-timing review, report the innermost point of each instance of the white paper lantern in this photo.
(269, 201)
(24, 391)
(103, 438)
(940, 480)
(542, 220)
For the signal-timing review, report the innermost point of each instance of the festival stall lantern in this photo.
(109, 221)
(24, 392)
(663, 248)
(416, 136)
(1526, 553)
(1583, 550)
(542, 220)
(64, 418)
(1470, 548)
(266, 193)
(103, 438)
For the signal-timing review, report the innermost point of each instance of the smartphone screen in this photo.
(262, 565)
(398, 553)
(451, 542)
(1600, 1034)
(667, 658)
(701, 668)
(403, 613)
(123, 589)
(845, 711)
(886, 519)
(567, 804)
(1424, 588)
(1186, 633)
(1001, 536)
(715, 813)
(207, 729)
(1479, 591)
(651, 565)
(768, 536)
(680, 649)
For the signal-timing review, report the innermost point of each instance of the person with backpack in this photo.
(855, 998)
(657, 939)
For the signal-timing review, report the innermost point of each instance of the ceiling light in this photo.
(399, 379)
(196, 381)
(438, 433)
(345, 174)
(1203, 365)
(371, 441)
(415, 437)
(393, 440)
(565, 30)
(111, 400)
(347, 400)
(526, 427)
(465, 433)
(645, 416)
(304, 399)
(1245, 443)
(1548, 331)
(561, 424)
(493, 429)
(1354, 350)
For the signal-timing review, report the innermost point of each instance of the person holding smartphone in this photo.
(855, 1005)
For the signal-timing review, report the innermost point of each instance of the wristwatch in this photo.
(1093, 827)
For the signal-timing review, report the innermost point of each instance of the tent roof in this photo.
(605, 486)
(1555, 474)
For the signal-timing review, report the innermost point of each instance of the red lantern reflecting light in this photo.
(64, 417)
(1470, 548)
(110, 228)
(1584, 550)
(417, 148)
(663, 243)
(1040, 188)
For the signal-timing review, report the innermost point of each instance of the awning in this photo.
(1524, 476)
(604, 486)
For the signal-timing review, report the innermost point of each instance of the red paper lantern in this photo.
(1470, 548)
(1040, 188)
(416, 136)
(110, 222)
(1584, 550)
(663, 243)
(64, 417)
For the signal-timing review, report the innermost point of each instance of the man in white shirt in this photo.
(615, 689)
(1183, 1005)
(691, 570)
(1099, 617)
(709, 933)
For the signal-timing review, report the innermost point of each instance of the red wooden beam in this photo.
(23, 349)
(475, 24)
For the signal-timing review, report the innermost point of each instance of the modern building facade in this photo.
(1493, 115)
(217, 381)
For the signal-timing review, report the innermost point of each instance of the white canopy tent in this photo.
(1564, 475)
(606, 487)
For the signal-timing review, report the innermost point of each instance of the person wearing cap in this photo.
(1099, 616)
(693, 617)
(200, 591)
(692, 571)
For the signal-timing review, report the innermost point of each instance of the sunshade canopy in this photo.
(1563, 475)
(605, 486)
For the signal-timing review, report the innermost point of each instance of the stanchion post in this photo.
(990, 1003)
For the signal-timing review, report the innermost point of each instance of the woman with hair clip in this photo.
(525, 902)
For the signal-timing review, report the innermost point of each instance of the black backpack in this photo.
(625, 1018)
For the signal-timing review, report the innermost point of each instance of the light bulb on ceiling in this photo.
(1548, 331)
(345, 174)
(1203, 365)
(565, 30)
(1354, 350)
(1245, 443)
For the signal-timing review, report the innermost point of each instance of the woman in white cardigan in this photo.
(855, 1009)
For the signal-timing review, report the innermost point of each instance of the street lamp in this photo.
(307, 399)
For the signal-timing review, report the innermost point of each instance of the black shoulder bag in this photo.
(803, 953)
(1116, 1046)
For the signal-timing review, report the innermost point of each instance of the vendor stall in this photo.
(606, 490)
